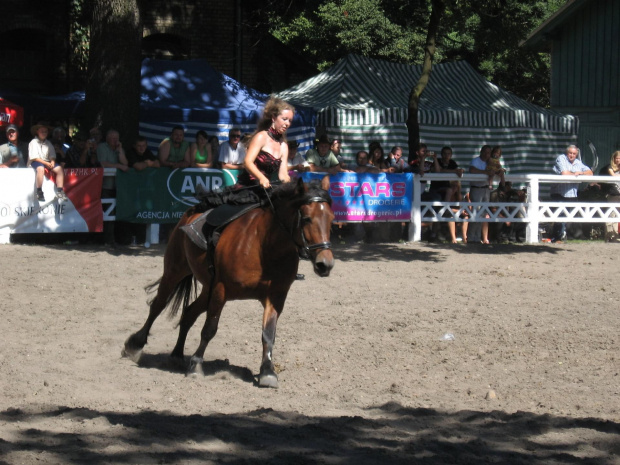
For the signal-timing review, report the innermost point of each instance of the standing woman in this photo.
(267, 151)
(613, 195)
(200, 153)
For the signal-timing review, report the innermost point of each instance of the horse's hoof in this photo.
(195, 367)
(269, 380)
(132, 354)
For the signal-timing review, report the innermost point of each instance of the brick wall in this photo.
(181, 29)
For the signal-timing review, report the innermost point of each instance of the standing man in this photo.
(567, 164)
(420, 165)
(82, 154)
(139, 157)
(479, 192)
(13, 154)
(111, 155)
(174, 150)
(232, 153)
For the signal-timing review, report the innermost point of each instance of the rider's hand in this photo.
(265, 183)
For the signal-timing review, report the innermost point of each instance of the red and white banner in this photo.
(21, 212)
(10, 113)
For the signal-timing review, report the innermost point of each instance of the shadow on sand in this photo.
(392, 434)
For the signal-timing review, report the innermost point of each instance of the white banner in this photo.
(21, 212)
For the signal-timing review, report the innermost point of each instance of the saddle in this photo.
(205, 230)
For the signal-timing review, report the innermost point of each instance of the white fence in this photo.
(533, 212)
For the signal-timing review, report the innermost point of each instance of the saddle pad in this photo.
(214, 220)
(194, 231)
(226, 213)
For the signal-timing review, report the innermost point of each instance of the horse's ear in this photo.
(300, 188)
(325, 183)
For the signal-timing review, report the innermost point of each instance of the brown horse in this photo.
(257, 257)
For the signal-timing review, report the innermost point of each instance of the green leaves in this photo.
(486, 33)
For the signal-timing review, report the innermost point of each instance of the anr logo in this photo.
(183, 184)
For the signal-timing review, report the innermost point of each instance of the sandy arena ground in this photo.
(530, 377)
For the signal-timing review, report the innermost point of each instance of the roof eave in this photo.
(541, 37)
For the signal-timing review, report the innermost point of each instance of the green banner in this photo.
(161, 195)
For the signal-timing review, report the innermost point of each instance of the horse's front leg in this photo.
(267, 376)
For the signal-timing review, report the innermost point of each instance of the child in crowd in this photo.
(396, 159)
(43, 157)
(494, 168)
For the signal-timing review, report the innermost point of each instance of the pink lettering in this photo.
(383, 188)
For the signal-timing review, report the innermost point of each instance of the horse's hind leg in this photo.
(136, 342)
(188, 318)
(216, 304)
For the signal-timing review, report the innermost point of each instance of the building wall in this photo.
(585, 67)
(585, 59)
(34, 45)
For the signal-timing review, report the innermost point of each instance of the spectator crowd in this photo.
(51, 150)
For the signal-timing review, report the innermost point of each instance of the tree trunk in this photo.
(413, 121)
(113, 86)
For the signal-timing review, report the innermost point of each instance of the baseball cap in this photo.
(12, 127)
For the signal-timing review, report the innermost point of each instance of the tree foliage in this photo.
(486, 33)
(338, 28)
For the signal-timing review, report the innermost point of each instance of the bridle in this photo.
(319, 245)
(305, 246)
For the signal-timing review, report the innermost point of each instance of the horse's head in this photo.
(312, 217)
(316, 222)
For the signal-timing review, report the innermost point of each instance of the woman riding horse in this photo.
(267, 154)
(257, 255)
(267, 151)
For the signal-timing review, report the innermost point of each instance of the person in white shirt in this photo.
(232, 153)
(41, 157)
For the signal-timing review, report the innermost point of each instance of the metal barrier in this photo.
(533, 211)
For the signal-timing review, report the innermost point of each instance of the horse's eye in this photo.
(306, 220)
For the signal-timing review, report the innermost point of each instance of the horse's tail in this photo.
(183, 292)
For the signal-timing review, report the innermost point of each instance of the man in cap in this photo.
(321, 159)
(13, 154)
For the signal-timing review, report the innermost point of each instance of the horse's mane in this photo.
(281, 192)
(287, 190)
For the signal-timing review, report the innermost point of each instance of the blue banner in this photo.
(369, 197)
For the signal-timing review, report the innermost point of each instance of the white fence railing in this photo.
(533, 212)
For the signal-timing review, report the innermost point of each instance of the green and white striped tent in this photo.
(362, 99)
